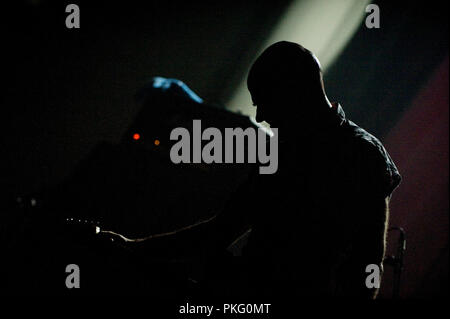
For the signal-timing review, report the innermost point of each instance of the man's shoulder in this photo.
(362, 140)
(372, 156)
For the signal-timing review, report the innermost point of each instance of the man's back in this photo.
(310, 215)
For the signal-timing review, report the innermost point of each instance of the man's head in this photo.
(284, 77)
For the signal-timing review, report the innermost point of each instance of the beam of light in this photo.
(322, 26)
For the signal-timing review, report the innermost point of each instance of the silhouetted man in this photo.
(321, 218)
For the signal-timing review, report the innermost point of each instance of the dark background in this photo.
(64, 90)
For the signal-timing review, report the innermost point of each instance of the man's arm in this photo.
(375, 178)
(369, 247)
(207, 237)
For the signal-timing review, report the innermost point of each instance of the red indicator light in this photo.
(136, 136)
